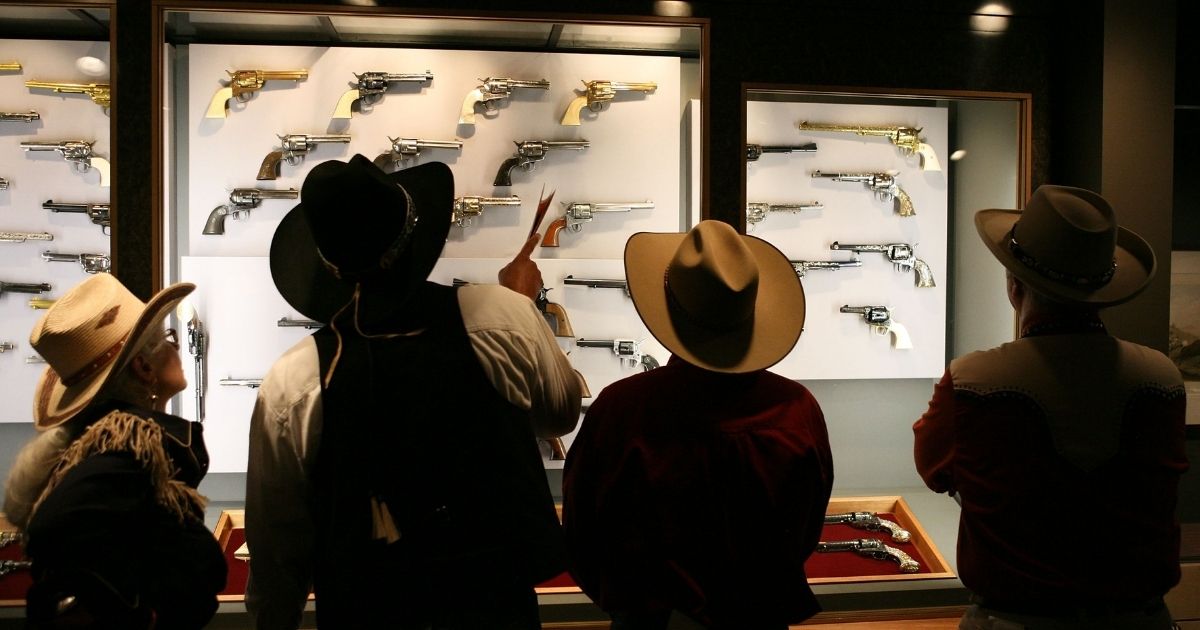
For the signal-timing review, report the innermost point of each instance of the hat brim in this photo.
(55, 403)
(759, 343)
(1135, 260)
(308, 286)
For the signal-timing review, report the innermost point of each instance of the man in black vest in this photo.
(393, 466)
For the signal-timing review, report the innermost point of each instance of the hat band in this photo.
(91, 368)
(393, 252)
(1027, 259)
(699, 320)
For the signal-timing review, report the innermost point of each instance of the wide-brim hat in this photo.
(1067, 245)
(350, 215)
(717, 299)
(87, 337)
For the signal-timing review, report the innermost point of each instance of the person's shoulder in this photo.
(294, 372)
(491, 306)
(1150, 364)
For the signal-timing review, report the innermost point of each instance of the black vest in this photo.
(414, 422)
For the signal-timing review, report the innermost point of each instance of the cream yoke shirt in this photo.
(515, 348)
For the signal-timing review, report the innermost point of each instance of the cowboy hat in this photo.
(87, 337)
(354, 220)
(716, 299)
(1067, 246)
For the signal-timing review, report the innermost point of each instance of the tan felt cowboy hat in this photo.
(717, 299)
(87, 336)
(1067, 246)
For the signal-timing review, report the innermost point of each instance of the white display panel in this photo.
(835, 345)
(634, 154)
(237, 301)
(37, 177)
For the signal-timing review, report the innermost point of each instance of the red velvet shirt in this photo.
(701, 492)
(1066, 451)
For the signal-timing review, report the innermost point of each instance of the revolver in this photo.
(468, 207)
(871, 522)
(629, 351)
(99, 213)
(871, 548)
(576, 214)
(493, 89)
(242, 86)
(78, 153)
(294, 147)
(882, 184)
(879, 318)
(529, 152)
(901, 255)
(404, 149)
(91, 263)
(241, 202)
(597, 93)
(370, 87)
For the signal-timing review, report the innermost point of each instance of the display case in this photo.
(54, 176)
(602, 115)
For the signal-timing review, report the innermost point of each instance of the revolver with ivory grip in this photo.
(243, 84)
(21, 237)
(494, 89)
(596, 283)
(879, 318)
(404, 149)
(802, 267)
(882, 184)
(529, 152)
(755, 151)
(294, 146)
(871, 548)
(901, 255)
(554, 314)
(78, 153)
(907, 139)
(241, 202)
(98, 213)
(629, 351)
(597, 93)
(576, 214)
(100, 93)
(757, 211)
(871, 522)
(468, 207)
(91, 263)
(29, 116)
(370, 87)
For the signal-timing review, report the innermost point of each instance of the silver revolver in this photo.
(629, 351)
(78, 153)
(871, 548)
(901, 255)
(91, 263)
(241, 202)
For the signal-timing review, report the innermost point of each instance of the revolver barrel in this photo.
(29, 116)
(21, 237)
(23, 287)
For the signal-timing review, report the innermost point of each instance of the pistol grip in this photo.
(905, 203)
(900, 338)
(560, 315)
(504, 175)
(345, 104)
(924, 274)
(270, 168)
(215, 225)
(571, 116)
(218, 107)
(102, 166)
(467, 115)
(551, 237)
(929, 160)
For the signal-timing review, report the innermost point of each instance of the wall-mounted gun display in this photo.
(494, 89)
(243, 84)
(91, 263)
(529, 152)
(576, 214)
(468, 207)
(98, 213)
(27, 117)
(755, 151)
(198, 348)
(907, 139)
(293, 148)
(405, 149)
(21, 237)
(78, 153)
(23, 287)
(901, 255)
(870, 521)
(629, 351)
(879, 318)
(871, 548)
(241, 202)
(757, 211)
(597, 93)
(802, 267)
(882, 184)
(370, 88)
(100, 93)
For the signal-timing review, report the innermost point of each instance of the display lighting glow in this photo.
(673, 8)
(991, 18)
(958, 155)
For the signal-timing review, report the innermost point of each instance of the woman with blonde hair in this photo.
(106, 495)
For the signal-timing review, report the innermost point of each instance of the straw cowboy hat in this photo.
(89, 335)
(717, 299)
(354, 220)
(1067, 246)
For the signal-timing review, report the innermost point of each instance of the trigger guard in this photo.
(244, 97)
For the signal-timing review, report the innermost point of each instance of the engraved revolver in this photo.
(78, 153)
(371, 87)
(597, 93)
